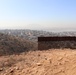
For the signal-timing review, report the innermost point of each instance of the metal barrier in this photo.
(56, 42)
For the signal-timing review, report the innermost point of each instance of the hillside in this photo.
(19, 56)
(14, 45)
(50, 62)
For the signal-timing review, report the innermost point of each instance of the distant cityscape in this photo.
(34, 34)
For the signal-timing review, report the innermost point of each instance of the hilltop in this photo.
(50, 62)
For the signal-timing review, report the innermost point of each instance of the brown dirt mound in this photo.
(50, 62)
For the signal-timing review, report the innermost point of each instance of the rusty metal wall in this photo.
(56, 43)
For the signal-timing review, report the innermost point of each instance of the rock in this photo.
(1, 69)
(17, 68)
(11, 70)
(45, 58)
(60, 58)
(39, 64)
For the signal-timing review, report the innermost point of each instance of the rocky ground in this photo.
(46, 62)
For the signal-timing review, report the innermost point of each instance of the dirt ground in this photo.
(46, 62)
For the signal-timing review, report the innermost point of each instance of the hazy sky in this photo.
(37, 14)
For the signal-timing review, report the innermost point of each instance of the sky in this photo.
(38, 14)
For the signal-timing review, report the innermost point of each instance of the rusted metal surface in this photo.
(55, 38)
(45, 43)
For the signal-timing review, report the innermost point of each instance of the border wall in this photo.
(56, 42)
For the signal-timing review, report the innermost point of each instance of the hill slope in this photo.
(50, 62)
(14, 45)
